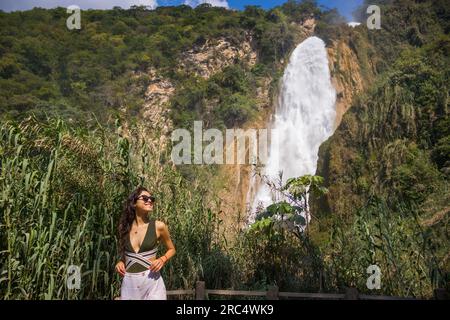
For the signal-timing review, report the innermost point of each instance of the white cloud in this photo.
(151, 3)
(12, 5)
(214, 3)
(353, 24)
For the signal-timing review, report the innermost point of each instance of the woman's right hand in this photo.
(120, 268)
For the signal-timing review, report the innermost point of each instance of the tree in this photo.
(293, 213)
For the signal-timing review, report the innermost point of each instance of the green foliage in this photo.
(269, 256)
(226, 99)
(398, 129)
(298, 11)
(62, 188)
(278, 235)
(392, 240)
(300, 187)
(293, 215)
(62, 191)
(46, 68)
(416, 178)
(236, 109)
(386, 166)
(441, 152)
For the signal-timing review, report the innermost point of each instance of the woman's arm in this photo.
(120, 265)
(165, 238)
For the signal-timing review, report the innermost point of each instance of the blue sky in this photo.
(345, 7)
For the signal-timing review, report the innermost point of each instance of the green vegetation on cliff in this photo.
(387, 165)
(47, 69)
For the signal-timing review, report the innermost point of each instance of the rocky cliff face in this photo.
(346, 76)
(203, 61)
(216, 54)
(155, 111)
(352, 71)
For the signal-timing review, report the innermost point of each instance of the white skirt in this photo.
(145, 285)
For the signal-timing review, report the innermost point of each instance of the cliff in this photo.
(390, 150)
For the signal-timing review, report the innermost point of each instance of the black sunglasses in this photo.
(147, 198)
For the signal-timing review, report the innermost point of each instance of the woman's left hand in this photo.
(157, 265)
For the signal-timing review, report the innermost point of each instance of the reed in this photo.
(61, 194)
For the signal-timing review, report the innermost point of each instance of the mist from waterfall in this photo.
(303, 120)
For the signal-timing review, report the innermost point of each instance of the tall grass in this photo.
(395, 241)
(61, 195)
(62, 191)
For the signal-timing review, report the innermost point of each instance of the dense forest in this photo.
(46, 68)
(75, 140)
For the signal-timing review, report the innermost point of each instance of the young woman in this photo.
(139, 236)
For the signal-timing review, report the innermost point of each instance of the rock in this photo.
(215, 55)
(346, 77)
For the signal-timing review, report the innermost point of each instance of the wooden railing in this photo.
(201, 293)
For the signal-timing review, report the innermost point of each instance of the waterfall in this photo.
(304, 118)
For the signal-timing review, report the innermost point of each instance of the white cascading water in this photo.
(303, 120)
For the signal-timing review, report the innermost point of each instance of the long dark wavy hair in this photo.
(127, 217)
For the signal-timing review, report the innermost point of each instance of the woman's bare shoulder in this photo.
(160, 225)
